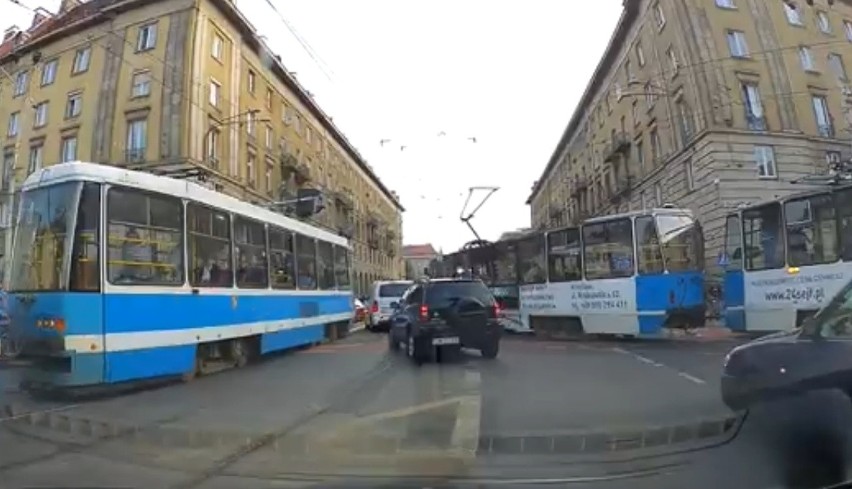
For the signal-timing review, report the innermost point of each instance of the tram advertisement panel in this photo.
(810, 288)
(614, 296)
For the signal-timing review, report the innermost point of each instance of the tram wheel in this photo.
(240, 352)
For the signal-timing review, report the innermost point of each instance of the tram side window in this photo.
(282, 260)
(762, 239)
(85, 269)
(531, 260)
(608, 249)
(563, 256)
(306, 262)
(250, 250)
(648, 242)
(145, 238)
(341, 267)
(811, 231)
(209, 241)
(843, 199)
(734, 243)
(325, 265)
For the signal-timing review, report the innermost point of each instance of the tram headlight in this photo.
(56, 324)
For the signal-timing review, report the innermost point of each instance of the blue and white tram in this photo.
(786, 258)
(630, 274)
(119, 276)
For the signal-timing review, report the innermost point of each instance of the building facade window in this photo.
(147, 37)
(823, 22)
(269, 137)
(36, 158)
(40, 117)
(74, 105)
(215, 90)
(81, 60)
(725, 4)
(825, 127)
(659, 16)
(689, 175)
(640, 54)
(764, 158)
(737, 44)
(137, 139)
(141, 84)
(68, 149)
(755, 119)
(14, 124)
(656, 147)
(21, 83)
(791, 10)
(218, 47)
(674, 62)
(807, 58)
(48, 72)
(835, 62)
(252, 82)
(847, 27)
(250, 167)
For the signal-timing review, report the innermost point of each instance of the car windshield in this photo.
(39, 255)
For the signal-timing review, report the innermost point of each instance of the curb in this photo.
(603, 442)
(43, 424)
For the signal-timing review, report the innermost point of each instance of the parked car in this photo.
(446, 313)
(382, 294)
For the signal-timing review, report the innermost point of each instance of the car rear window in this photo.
(393, 290)
(442, 294)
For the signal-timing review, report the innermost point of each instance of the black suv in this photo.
(450, 313)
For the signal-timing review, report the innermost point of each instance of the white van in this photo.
(382, 294)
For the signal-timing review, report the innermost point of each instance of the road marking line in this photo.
(691, 378)
(648, 361)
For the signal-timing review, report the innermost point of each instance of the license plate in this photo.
(445, 341)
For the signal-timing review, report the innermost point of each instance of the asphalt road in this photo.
(608, 414)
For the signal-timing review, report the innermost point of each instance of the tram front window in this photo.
(681, 241)
(39, 253)
(762, 238)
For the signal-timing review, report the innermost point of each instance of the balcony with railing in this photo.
(825, 130)
(135, 155)
(755, 122)
(617, 147)
(622, 186)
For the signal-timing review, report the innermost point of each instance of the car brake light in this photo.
(496, 309)
(375, 308)
(424, 312)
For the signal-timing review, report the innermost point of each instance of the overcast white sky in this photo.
(506, 72)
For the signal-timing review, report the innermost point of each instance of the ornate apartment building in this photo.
(185, 88)
(705, 104)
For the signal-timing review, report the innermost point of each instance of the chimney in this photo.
(10, 32)
(68, 5)
(40, 16)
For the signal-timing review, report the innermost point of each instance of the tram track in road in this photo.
(96, 437)
(356, 391)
